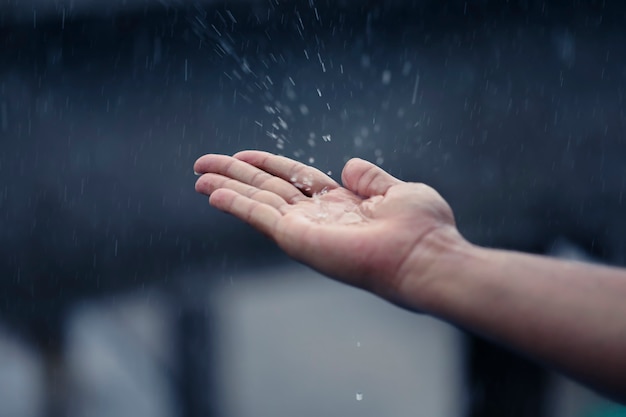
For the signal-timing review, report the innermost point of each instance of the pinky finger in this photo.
(262, 217)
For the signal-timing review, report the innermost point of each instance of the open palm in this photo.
(361, 233)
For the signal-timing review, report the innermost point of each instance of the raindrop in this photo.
(359, 396)
(386, 77)
(232, 18)
(406, 68)
(319, 57)
(415, 87)
(365, 61)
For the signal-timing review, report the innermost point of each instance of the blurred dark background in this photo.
(123, 293)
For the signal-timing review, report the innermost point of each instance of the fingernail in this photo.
(197, 174)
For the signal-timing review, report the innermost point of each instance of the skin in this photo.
(399, 240)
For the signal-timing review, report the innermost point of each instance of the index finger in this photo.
(302, 176)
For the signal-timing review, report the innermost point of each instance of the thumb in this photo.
(366, 179)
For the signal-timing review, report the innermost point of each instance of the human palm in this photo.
(362, 233)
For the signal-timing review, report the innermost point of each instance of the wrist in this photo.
(440, 255)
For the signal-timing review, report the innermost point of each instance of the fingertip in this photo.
(366, 179)
(249, 155)
(349, 168)
(200, 166)
(241, 154)
(353, 161)
(200, 185)
(220, 198)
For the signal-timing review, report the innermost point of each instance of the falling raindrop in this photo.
(386, 77)
(359, 396)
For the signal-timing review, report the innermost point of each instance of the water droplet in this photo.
(365, 61)
(358, 344)
(359, 396)
(406, 68)
(386, 77)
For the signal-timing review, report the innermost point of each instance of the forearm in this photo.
(568, 315)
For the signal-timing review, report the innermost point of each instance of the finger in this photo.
(304, 177)
(248, 174)
(366, 179)
(209, 183)
(261, 216)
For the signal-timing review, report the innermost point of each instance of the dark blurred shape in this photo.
(197, 326)
(501, 383)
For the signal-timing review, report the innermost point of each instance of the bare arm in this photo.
(399, 241)
(568, 315)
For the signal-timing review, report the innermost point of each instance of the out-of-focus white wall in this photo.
(296, 343)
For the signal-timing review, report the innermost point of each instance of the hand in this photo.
(368, 233)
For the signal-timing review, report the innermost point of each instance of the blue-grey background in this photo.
(123, 293)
